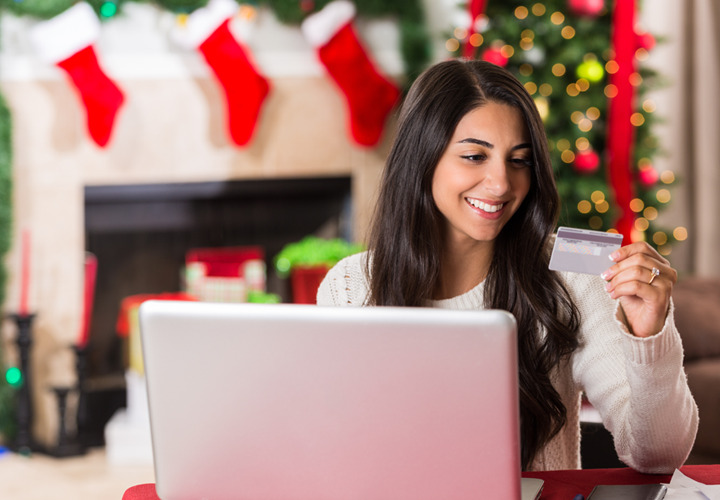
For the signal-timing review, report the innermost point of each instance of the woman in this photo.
(464, 220)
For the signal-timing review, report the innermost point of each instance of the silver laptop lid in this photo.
(307, 402)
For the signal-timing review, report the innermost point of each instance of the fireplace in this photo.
(141, 233)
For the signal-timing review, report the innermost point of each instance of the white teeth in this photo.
(485, 206)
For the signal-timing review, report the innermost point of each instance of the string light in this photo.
(563, 144)
(581, 144)
(584, 207)
(602, 206)
(610, 91)
(452, 45)
(543, 107)
(593, 113)
(637, 205)
(568, 32)
(680, 233)
(572, 90)
(642, 224)
(663, 195)
(597, 196)
(546, 89)
(637, 119)
(558, 69)
(612, 67)
(476, 39)
(660, 238)
(531, 87)
(667, 177)
(14, 377)
(635, 79)
(665, 250)
(648, 106)
(636, 235)
(521, 12)
(538, 9)
(526, 69)
(595, 222)
(591, 69)
(567, 156)
(460, 33)
(557, 18)
(650, 213)
(108, 9)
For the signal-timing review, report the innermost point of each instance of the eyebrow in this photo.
(524, 145)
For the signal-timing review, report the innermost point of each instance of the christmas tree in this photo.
(561, 51)
(7, 418)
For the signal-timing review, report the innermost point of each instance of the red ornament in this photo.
(645, 40)
(590, 8)
(649, 176)
(307, 5)
(495, 56)
(586, 162)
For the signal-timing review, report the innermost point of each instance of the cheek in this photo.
(522, 183)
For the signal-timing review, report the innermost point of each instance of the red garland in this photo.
(476, 7)
(621, 133)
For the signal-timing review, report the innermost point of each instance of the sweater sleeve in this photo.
(638, 385)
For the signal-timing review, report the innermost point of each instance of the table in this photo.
(559, 485)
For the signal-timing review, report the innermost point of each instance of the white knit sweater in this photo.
(637, 384)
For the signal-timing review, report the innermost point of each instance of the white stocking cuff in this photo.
(319, 28)
(66, 34)
(203, 22)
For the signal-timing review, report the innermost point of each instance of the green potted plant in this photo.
(307, 261)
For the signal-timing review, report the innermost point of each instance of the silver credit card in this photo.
(583, 250)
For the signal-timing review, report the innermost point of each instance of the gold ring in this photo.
(655, 272)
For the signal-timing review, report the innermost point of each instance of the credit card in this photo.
(583, 250)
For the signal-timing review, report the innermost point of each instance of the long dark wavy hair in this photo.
(407, 230)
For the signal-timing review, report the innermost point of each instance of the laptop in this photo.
(286, 402)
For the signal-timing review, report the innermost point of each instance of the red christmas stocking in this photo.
(208, 30)
(67, 41)
(370, 96)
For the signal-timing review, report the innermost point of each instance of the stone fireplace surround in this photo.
(170, 130)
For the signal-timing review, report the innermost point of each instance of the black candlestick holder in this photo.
(23, 441)
(66, 445)
(82, 414)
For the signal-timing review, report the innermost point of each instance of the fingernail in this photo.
(613, 256)
(605, 275)
(608, 286)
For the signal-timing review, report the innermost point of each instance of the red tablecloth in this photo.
(559, 485)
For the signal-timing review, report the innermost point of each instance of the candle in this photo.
(88, 296)
(24, 272)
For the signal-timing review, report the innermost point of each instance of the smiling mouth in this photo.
(485, 207)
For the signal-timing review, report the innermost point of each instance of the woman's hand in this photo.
(642, 280)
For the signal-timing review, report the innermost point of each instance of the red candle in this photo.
(24, 272)
(88, 296)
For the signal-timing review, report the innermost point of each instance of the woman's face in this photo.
(484, 174)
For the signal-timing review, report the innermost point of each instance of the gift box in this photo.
(227, 274)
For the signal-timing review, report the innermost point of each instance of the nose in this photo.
(497, 180)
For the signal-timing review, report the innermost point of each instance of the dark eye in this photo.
(475, 158)
(522, 162)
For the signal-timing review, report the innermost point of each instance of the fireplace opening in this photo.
(140, 235)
